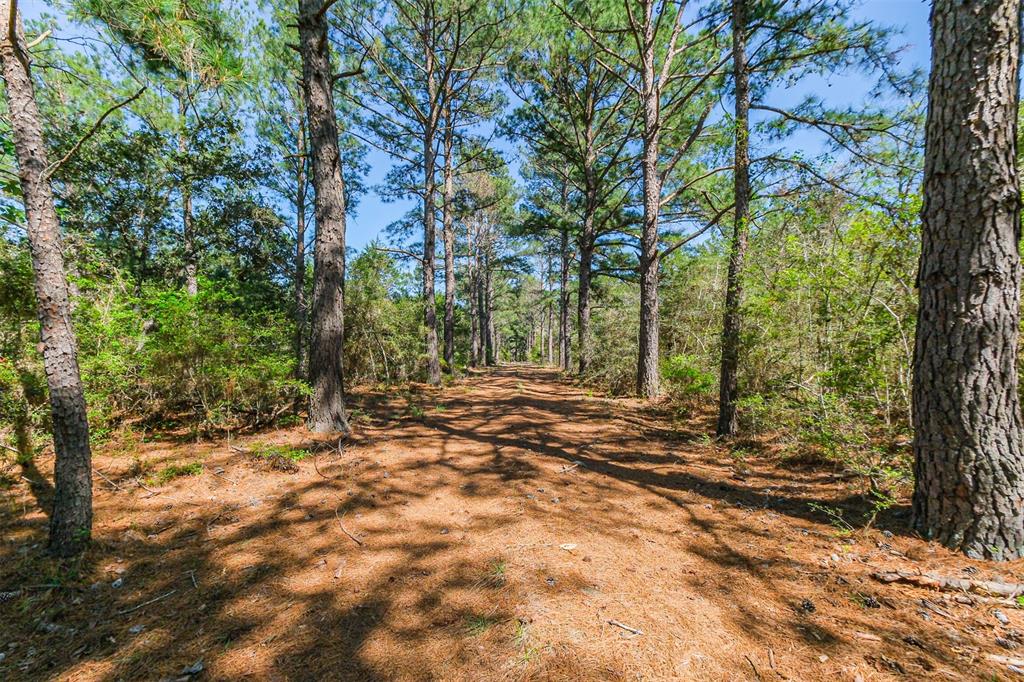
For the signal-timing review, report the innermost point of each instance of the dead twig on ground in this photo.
(317, 468)
(345, 530)
(757, 674)
(146, 603)
(104, 477)
(991, 587)
(625, 627)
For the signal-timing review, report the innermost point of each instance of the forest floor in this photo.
(508, 526)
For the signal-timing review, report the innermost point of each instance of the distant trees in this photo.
(419, 86)
(71, 519)
(575, 114)
(968, 435)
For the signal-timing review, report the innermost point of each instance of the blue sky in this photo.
(910, 16)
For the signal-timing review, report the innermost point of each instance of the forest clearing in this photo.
(496, 535)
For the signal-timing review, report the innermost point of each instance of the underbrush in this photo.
(277, 457)
(834, 434)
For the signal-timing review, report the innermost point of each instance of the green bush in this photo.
(172, 356)
(684, 377)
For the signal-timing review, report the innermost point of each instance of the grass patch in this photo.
(278, 457)
(496, 573)
(173, 471)
(478, 625)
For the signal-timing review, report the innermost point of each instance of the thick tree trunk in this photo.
(448, 235)
(474, 300)
(969, 457)
(647, 381)
(326, 372)
(71, 520)
(490, 339)
(564, 340)
(727, 424)
(587, 240)
(551, 334)
(188, 223)
(301, 369)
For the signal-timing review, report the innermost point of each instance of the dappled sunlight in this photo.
(496, 539)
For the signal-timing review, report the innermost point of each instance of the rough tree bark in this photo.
(564, 341)
(326, 373)
(301, 187)
(474, 296)
(429, 223)
(448, 236)
(71, 520)
(490, 338)
(727, 392)
(969, 458)
(583, 294)
(188, 223)
(647, 378)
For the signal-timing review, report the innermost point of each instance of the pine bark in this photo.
(969, 458)
(326, 373)
(71, 520)
(490, 338)
(588, 243)
(564, 340)
(301, 312)
(430, 246)
(727, 391)
(448, 236)
(583, 293)
(188, 223)
(647, 382)
(474, 299)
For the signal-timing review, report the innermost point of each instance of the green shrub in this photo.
(173, 471)
(684, 377)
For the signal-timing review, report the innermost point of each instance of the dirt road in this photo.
(509, 526)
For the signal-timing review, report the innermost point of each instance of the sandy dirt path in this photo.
(509, 526)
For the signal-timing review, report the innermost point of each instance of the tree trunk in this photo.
(188, 226)
(474, 298)
(564, 340)
(583, 295)
(727, 424)
(429, 227)
(326, 372)
(969, 459)
(301, 369)
(71, 520)
(490, 340)
(551, 334)
(448, 235)
(647, 360)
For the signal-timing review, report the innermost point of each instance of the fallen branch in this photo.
(757, 674)
(990, 587)
(104, 477)
(317, 468)
(625, 627)
(146, 603)
(345, 530)
(1006, 660)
